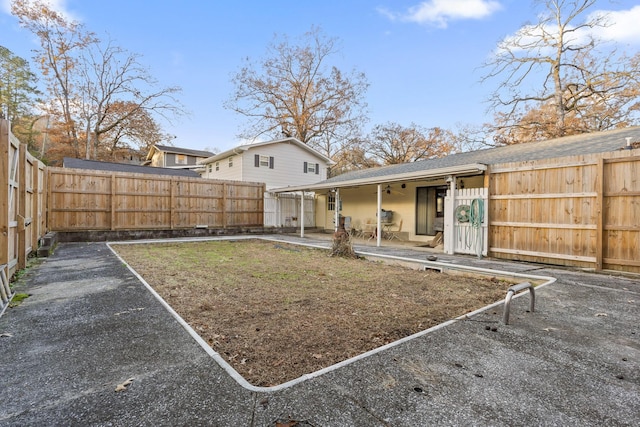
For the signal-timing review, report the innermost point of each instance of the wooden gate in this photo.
(581, 211)
(466, 222)
(21, 206)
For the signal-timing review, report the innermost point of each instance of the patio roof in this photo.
(470, 169)
(475, 162)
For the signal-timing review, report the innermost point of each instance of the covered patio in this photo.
(404, 204)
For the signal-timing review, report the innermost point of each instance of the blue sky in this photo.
(421, 59)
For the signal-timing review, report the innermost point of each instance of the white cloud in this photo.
(624, 26)
(59, 6)
(440, 12)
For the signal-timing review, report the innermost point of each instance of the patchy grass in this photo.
(17, 299)
(276, 311)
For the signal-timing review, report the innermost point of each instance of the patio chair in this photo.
(356, 228)
(368, 229)
(395, 234)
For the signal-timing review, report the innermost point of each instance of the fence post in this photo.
(600, 212)
(48, 201)
(22, 211)
(224, 205)
(113, 201)
(35, 204)
(172, 203)
(4, 193)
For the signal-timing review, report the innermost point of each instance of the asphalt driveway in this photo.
(91, 325)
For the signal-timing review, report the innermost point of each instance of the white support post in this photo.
(302, 214)
(449, 218)
(336, 211)
(378, 217)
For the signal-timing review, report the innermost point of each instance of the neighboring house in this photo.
(163, 156)
(73, 163)
(128, 156)
(278, 163)
(555, 193)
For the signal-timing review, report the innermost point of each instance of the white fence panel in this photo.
(283, 210)
(466, 219)
(271, 214)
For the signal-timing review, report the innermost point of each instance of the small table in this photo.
(386, 233)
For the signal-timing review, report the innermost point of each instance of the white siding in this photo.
(233, 173)
(288, 167)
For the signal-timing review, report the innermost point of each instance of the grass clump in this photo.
(17, 299)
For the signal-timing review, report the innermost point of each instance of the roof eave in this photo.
(241, 148)
(232, 152)
(473, 168)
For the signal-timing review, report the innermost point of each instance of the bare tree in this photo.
(471, 137)
(554, 75)
(136, 131)
(90, 82)
(60, 42)
(111, 78)
(392, 143)
(351, 155)
(295, 93)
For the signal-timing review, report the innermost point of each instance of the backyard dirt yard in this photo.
(276, 311)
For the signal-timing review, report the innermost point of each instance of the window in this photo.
(263, 161)
(231, 161)
(217, 166)
(181, 159)
(210, 168)
(311, 168)
(331, 202)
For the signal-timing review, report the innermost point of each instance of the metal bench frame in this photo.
(511, 292)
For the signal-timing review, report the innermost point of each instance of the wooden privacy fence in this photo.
(22, 205)
(580, 211)
(83, 200)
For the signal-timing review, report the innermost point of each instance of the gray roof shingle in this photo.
(187, 151)
(591, 143)
(70, 162)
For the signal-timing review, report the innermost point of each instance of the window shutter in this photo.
(257, 160)
(271, 162)
(305, 167)
(317, 169)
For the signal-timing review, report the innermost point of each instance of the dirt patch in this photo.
(276, 311)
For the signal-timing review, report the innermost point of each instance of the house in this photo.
(69, 162)
(277, 163)
(163, 156)
(550, 201)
